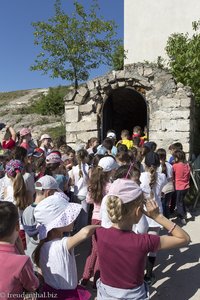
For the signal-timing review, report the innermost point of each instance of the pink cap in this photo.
(127, 190)
(24, 131)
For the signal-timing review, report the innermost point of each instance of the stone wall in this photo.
(170, 106)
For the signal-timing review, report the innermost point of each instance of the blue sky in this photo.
(17, 50)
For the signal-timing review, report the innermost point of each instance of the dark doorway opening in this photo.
(124, 109)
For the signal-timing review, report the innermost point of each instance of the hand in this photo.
(152, 209)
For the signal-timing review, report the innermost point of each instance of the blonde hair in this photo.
(19, 191)
(118, 211)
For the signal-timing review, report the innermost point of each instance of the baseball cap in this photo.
(45, 136)
(108, 163)
(111, 135)
(24, 131)
(53, 158)
(55, 212)
(46, 182)
(127, 190)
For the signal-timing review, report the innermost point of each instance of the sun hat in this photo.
(46, 182)
(108, 163)
(53, 158)
(64, 157)
(24, 131)
(111, 135)
(14, 166)
(55, 212)
(127, 190)
(45, 136)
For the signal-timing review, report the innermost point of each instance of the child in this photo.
(125, 139)
(122, 253)
(55, 254)
(92, 142)
(15, 190)
(44, 187)
(166, 168)
(137, 131)
(16, 272)
(181, 171)
(99, 184)
(79, 179)
(152, 182)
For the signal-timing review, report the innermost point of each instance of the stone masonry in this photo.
(170, 105)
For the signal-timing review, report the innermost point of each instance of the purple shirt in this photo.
(122, 256)
(16, 272)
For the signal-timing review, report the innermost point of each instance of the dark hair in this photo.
(123, 157)
(20, 153)
(162, 156)
(107, 143)
(81, 155)
(8, 218)
(91, 141)
(127, 171)
(121, 147)
(152, 159)
(50, 168)
(176, 146)
(179, 156)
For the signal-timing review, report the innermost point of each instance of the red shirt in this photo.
(16, 273)
(10, 144)
(181, 175)
(122, 256)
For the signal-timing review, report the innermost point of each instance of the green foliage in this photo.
(50, 104)
(57, 132)
(73, 44)
(184, 55)
(118, 57)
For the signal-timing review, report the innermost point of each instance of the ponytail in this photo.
(36, 252)
(19, 191)
(153, 176)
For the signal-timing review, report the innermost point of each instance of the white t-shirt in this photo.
(80, 183)
(58, 265)
(157, 189)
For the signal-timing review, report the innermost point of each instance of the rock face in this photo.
(37, 123)
(168, 107)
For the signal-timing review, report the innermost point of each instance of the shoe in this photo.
(150, 280)
(83, 282)
(188, 215)
(183, 221)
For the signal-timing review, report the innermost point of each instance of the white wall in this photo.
(148, 24)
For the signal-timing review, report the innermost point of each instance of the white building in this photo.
(149, 23)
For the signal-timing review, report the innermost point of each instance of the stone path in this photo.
(177, 270)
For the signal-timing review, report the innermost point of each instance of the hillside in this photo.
(11, 112)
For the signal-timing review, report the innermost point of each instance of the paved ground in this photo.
(177, 270)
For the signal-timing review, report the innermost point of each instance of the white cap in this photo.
(111, 135)
(108, 163)
(45, 136)
(46, 182)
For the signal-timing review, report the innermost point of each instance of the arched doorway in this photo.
(124, 109)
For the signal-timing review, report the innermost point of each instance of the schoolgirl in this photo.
(122, 253)
(55, 254)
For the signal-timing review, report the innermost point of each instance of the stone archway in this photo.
(123, 109)
(138, 95)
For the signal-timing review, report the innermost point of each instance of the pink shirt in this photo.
(181, 175)
(16, 273)
(97, 206)
(122, 256)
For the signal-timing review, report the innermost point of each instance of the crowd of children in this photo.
(119, 194)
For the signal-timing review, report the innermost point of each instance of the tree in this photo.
(118, 57)
(74, 44)
(184, 58)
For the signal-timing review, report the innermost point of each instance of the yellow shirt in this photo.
(129, 143)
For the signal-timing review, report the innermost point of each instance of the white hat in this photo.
(111, 135)
(45, 136)
(55, 212)
(46, 182)
(108, 163)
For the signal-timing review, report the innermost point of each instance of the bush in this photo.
(50, 104)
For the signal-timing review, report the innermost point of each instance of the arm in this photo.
(79, 237)
(12, 132)
(179, 236)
